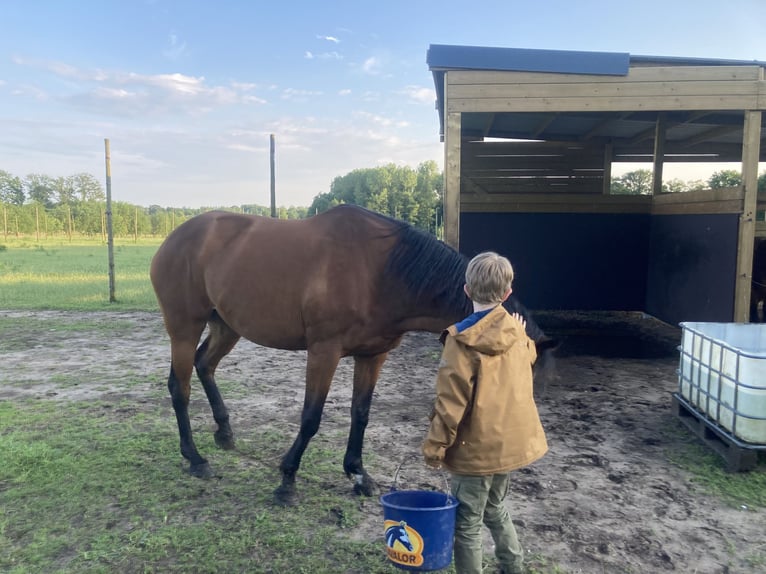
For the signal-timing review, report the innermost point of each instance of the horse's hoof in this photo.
(284, 497)
(224, 441)
(201, 470)
(366, 487)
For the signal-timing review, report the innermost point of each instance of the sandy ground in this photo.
(605, 499)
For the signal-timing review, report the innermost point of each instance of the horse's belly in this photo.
(269, 328)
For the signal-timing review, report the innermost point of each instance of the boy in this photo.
(485, 422)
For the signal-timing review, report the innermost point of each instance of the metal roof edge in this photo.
(446, 56)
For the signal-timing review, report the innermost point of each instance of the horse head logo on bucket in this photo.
(403, 544)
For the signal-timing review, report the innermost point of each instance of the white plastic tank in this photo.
(722, 373)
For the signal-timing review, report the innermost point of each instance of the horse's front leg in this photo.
(320, 368)
(366, 371)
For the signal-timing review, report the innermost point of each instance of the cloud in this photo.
(332, 39)
(371, 66)
(175, 49)
(130, 93)
(296, 95)
(419, 94)
(27, 91)
(382, 121)
(344, 92)
(308, 55)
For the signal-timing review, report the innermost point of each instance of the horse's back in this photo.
(271, 279)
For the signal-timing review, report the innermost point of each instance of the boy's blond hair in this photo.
(488, 277)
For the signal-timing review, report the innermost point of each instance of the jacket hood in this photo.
(493, 334)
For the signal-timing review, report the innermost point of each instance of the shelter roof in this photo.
(705, 133)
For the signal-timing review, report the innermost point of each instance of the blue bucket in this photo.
(419, 528)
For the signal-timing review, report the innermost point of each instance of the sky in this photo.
(189, 92)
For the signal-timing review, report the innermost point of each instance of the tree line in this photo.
(40, 205)
(639, 182)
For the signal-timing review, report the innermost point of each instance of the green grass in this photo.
(75, 276)
(83, 489)
(708, 472)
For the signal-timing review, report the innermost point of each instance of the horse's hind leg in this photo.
(366, 371)
(219, 342)
(179, 385)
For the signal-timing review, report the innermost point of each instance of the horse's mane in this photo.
(432, 270)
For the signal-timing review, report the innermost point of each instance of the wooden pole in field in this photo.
(109, 231)
(37, 223)
(69, 222)
(273, 178)
(5, 221)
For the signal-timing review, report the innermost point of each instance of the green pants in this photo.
(481, 501)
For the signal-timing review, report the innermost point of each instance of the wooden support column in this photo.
(659, 153)
(608, 156)
(452, 137)
(751, 143)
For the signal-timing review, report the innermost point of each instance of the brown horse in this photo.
(348, 282)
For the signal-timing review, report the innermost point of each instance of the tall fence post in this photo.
(109, 232)
(273, 177)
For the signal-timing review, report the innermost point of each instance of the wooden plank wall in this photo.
(672, 255)
(643, 88)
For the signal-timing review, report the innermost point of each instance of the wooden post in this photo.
(273, 177)
(37, 223)
(452, 179)
(69, 222)
(109, 231)
(5, 222)
(751, 139)
(135, 227)
(659, 154)
(608, 157)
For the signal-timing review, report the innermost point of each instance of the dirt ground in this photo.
(605, 499)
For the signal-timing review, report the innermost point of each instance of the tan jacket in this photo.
(485, 419)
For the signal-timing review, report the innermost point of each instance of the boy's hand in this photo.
(433, 463)
(520, 319)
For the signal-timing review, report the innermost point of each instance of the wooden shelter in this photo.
(530, 140)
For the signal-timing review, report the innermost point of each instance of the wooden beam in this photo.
(751, 142)
(452, 143)
(542, 126)
(470, 186)
(604, 91)
(635, 74)
(557, 203)
(488, 124)
(659, 154)
(707, 135)
(600, 125)
(648, 102)
(607, 189)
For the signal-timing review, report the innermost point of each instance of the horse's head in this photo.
(398, 533)
(545, 366)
